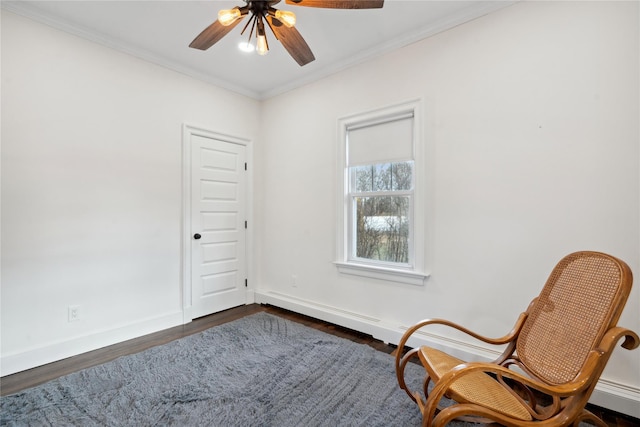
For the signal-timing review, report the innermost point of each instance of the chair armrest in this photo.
(613, 335)
(495, 341)
(597, 359)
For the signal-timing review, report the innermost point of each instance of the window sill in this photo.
(381, 273)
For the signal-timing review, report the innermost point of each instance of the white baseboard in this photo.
(608, 394)
(617, 397)
(16, 362)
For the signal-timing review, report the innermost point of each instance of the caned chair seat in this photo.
(560, 345)
(477, 387)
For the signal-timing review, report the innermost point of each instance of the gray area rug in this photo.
(260, 370)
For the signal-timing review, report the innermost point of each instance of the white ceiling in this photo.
(160, 32)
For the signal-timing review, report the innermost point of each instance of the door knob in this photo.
(197, 236)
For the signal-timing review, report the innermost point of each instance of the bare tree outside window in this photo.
(382, 203)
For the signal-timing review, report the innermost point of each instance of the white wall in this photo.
(91, 190)
(531, 126)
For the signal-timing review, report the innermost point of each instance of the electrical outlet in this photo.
(294, 281)
(74, 313)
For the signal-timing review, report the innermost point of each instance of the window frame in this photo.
(346, 262)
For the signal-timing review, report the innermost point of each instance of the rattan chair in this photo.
(560, 346)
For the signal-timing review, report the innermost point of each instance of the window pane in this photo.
(382, 228)
(402, 176)
(363, 178)
(383, 177)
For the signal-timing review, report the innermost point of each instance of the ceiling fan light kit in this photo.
(227, 16)
(262, 47)
(286, 17)
(281, 22)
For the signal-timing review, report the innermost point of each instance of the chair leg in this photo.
(425, 385)
(400, 372)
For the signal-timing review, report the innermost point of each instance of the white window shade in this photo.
(381, 142)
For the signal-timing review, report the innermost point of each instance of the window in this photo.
(381, 212)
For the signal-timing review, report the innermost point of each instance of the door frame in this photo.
(189, 130)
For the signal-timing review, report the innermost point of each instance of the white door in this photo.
(218, 227)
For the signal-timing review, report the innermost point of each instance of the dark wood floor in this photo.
(22, 380)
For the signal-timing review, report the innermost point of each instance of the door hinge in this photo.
(246, 283)
(245, 224)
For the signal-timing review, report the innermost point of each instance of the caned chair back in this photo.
(581, 300)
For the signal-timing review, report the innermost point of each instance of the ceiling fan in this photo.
(281, 23)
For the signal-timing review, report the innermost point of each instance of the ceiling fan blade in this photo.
(339, 4)
(212, 34)
(292, 41)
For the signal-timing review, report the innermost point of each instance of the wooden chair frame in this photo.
(546, 402)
